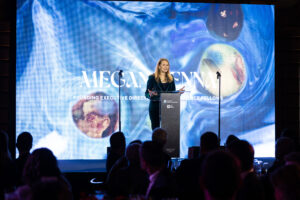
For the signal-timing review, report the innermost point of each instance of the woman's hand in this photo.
(182, 90)
(152, 93)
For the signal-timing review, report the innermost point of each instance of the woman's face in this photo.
(164, 66)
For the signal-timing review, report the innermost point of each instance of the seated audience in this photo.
(188, 173)
(7, 167)
(220, 176)
(24, 144)
(50, 188)
(230, 139)
(294, 135)
(116, 158)
(284, 146)
(193, 152)
(286, 182)
(161, 182)
(130, 180)
(22, 193)
(292, 158)
(251, 187)
(40, 174)
(47, 188)
(117, 149)
(136, 141)
(159, 135)
(41, 163)
(209, 141)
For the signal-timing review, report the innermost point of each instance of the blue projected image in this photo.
(69, 54)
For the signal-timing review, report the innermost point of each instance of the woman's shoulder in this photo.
(172, 78)
(151, 77)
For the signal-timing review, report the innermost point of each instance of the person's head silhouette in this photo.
(24, 142)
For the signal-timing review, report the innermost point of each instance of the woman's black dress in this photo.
(154, 105)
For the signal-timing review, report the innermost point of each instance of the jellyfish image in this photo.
(225, 21)
(96, 116)
(230, 63)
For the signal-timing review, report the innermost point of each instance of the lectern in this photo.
(170, 121)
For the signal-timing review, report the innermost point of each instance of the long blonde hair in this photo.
(157, 71)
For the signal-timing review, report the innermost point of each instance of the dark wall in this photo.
(7, 63)
(287, 65)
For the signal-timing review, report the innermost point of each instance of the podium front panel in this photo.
(170, 121)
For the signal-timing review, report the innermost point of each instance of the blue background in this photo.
(57, 40)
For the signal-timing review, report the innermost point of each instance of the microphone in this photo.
(120, 73)
(218, 74)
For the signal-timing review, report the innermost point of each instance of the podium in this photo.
(170, 121)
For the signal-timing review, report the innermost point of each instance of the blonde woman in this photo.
(160, 81)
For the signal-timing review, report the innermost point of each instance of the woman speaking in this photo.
(160, 81)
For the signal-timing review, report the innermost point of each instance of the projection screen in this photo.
(69, 54)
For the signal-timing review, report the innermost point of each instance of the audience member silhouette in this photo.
(251, 187)
(42, 164)
(22, 193)
(117, 149)
(230, 139)
(142, 170)
(24, 144)
(7, 167)
(290, 134)
(188, 173)
(159, 135)
(286, 182)
(292, 158)
(193, 152)
(50, 188)
(161, 182)
(209, 141)
(40, 174)
(284, 146)
(293, 135)
(220, 176)
(130, 180)
(136, 141)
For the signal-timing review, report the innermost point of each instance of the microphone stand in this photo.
(120, 75)
(219, 120)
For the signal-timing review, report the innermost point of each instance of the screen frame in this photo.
(87, 165)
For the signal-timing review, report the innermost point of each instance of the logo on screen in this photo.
(170, 106)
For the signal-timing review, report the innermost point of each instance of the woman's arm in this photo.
(150, 87)
(173, 87)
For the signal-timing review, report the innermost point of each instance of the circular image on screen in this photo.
(225, 21)
(97, 115)
(230, 63)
